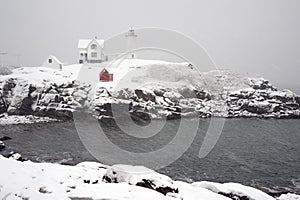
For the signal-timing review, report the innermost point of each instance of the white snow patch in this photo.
(28, 119)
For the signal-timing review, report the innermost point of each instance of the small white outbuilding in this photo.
(53, 62)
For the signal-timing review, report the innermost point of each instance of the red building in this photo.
(105, 76)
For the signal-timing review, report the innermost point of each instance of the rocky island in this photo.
(176, 91)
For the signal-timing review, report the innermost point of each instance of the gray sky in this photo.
(258, 36)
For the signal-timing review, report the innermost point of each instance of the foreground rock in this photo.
(91, 180)
(140, 176)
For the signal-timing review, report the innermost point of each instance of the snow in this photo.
(289, 196)
(43, 181)
(83, 43)
(198, 193)
(54, 59)
(235, 189)
(28, 119)
(136, 174)
(39, 76)
(133, 73)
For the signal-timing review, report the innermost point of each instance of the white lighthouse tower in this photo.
(131, 38)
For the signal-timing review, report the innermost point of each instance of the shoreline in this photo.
(86, 179)
(6, 119)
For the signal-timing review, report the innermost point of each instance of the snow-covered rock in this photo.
(289, 196)
(28, 119)
(154, 89)
(15, 156)
(234, 190)
(45, 97)
(140, 176)
(89, 180)
(263, 100)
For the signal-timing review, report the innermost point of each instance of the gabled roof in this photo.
(55, 59)
(104, 70)
(84, 43)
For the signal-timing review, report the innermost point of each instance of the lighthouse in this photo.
(131, 38)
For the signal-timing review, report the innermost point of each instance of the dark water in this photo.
(261, 153)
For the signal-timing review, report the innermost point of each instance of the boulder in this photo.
(4, 138)
(16, 156)
(234, 191)
(140, 176)
(145, 95)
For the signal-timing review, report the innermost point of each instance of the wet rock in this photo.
(234, 196)
(16, 156)
(2, 145)
(141, 117)
(4, 138)
(8, 86)
(26, 106)
(44, 190)
(146, 96)
(3, 104)
(150, 185)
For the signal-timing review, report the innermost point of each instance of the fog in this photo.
(257, 36)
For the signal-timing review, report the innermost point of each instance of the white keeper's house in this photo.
(91, 51)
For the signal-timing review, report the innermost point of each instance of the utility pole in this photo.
(2, 54)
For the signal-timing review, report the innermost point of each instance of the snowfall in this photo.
(91, 180)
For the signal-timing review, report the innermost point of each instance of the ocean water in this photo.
(261, 153)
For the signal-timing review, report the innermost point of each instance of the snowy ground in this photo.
(133, 73)
(90, 180)
(28, 119)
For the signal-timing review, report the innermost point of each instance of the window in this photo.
(94, 54)
(50, 60)
(94, 46)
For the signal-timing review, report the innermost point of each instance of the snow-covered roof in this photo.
(83, 43)
(55, 59)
